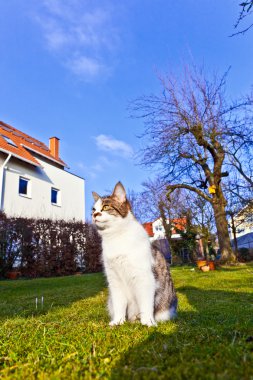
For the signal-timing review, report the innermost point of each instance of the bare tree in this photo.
(242, 160)
(152, 203)
(245, 12)
(202, 219)
(143, 205)
(202, 213)
(189, 128)
(239, 207)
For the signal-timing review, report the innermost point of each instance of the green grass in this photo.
(69, 338)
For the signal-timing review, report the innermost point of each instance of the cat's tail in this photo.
(168, 314)
(173, 308)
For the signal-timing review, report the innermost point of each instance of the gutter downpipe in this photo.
(2, 180)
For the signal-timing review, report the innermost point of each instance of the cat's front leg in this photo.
(148, 320)
(145, 299)
(117, 305)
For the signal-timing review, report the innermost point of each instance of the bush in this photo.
(43, 247)
(245, 254)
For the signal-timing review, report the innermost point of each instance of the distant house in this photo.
(245, 241)
(149, 229)
(243, 224)
(156, 230)
(34, 181)
(156, 233)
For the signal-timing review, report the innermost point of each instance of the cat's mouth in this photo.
(100, 225)
(98, 221)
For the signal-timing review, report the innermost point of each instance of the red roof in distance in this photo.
(149, 228)
(179, 224)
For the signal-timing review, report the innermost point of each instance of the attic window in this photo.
(9, 141)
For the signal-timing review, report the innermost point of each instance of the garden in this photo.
(57, 328)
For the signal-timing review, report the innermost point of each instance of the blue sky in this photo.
(70, 68)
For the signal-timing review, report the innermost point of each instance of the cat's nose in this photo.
(97, 214)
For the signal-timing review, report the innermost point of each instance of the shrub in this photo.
(245, 254)
(43, 247)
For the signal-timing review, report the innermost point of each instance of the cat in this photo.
(140, 285)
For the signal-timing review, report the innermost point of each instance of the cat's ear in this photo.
(119, 192)
(95, 196)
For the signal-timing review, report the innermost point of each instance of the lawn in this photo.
(68, 337)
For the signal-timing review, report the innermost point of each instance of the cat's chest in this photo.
(116, 250)
(119, 241)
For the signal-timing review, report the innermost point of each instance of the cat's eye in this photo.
(105, 208)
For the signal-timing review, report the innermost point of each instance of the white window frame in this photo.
(58, 197)
(29, 187)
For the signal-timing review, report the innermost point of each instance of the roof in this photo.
(22, 145)
(178, 223)
(149, 228)
(244, 240)
(247, 210)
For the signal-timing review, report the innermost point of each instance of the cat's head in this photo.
(108, 209)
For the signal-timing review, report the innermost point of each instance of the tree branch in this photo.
(171, 188)
(237, 164)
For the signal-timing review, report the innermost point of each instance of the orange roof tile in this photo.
(149, 228)
(22, 145)
(180, 223)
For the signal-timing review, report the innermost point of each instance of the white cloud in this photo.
(55, 36)
(82, 34)
(93, 170)
(110, 144)
(85, 67)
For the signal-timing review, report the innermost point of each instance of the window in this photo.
(9, 141)
(55, 196)
(23, 186)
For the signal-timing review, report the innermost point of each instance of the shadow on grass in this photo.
(18, 298)
(237, 267)
(206, 342)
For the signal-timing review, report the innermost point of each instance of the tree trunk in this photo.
(234, 234)
(227, 254)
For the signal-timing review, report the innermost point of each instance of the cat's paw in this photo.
(116, 322)
(148, 322)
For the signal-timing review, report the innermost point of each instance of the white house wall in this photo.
(38, 204)
(159, 231)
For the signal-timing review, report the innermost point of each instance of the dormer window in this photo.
(9, 141)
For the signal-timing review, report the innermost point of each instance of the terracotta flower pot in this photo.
(211, 265)
(13, 275)
(205, 268)
(201, 263)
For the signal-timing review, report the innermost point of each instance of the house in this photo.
(156, 230)
(34, 182)
(243, 226)
(149, 229)
(244, 241)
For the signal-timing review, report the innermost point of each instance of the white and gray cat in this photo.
(140, 285)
